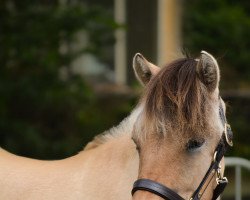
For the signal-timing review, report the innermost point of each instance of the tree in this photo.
(222, 28)
(44, 106)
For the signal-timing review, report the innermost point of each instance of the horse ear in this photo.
(208, 71)
(143, 69)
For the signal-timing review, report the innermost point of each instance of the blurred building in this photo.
(149, 27)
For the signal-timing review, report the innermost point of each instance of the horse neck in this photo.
(123, 130)
(115, 146)
(114, 162)
(109, 170)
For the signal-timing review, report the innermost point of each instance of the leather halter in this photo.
(168, 194)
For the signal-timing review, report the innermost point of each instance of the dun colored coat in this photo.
(169, 137)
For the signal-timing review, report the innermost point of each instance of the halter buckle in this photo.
(221, 185)
(219, 175)
(222, 180)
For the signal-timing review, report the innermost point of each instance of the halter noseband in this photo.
(168, 194)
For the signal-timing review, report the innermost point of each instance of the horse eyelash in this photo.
(194, 144)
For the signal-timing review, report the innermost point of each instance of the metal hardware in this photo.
(227, 128)
(221, 180)
(215, 155)
(219, 175)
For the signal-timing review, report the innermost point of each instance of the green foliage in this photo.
(239, 115)
(43, 113)
(222, 28)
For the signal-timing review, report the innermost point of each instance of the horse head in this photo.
(180, 129)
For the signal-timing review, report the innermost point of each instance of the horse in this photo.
(171, 146)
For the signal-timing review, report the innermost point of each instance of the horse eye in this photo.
(194, 144)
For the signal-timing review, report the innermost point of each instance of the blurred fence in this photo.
(238, 163)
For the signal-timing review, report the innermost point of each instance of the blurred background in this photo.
(66, 67)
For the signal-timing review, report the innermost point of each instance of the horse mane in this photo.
(176, 95)
(125, 126)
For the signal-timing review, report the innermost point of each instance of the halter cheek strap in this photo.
(214, 168)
